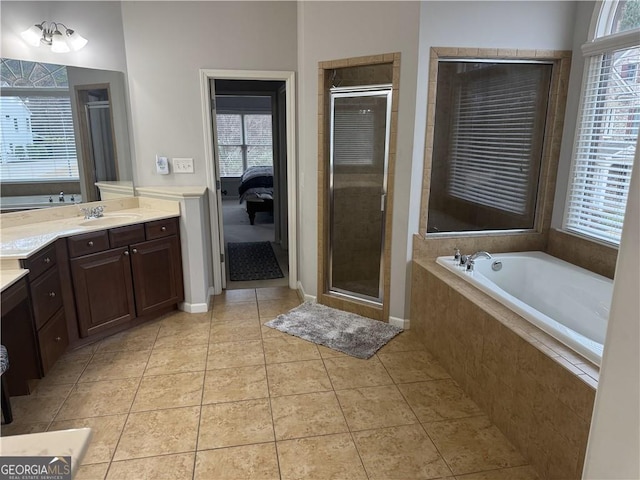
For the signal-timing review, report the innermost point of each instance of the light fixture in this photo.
(48, 33)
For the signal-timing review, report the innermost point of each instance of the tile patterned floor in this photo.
(219, 396)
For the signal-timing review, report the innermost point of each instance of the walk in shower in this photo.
(360, 125)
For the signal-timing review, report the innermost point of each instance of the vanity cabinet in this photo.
(125, 273)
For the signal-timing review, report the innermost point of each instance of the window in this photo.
(244, 140)
(607, 131)
(36, 131)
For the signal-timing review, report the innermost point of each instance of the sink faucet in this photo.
(479, 254)
(93, 212)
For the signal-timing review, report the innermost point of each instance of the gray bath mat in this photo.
(346, 332)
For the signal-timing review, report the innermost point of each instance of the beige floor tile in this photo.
(326, 352)
(297, 377)
(166, 467)
(18, 428)
(165, 361)
(248, 462)
(375, 407)
(400, 453)
(41, 406)
(406, 341)
(159, 432)
(234, 296)
(289, 349)
(329, 456)
(516, 473)
(235, 354)
(236, 423)
(417, 366)
(115, 365)
(235, 311)
(473, 445)
(310, 414)
(272, 293)
(268, 332)
(169, 391)
(96, 471)
(184, 331)
(89, 349)
(233, 384)
(350, 372)
(95, 399)
(438, 400)
(105, 433)
(273, 308)
(135, 339)
(238, 330)
(67, 370)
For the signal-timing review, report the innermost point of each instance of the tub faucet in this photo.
(479, 254)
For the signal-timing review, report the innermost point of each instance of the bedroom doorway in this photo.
(251, 134)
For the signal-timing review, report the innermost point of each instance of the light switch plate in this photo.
(183, 165)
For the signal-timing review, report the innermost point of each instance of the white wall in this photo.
(335, 30)
(614, 440)
(167, 44)
(98, 22)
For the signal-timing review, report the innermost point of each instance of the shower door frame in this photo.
(383, 90)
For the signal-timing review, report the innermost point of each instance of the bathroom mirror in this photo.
(63, 130)
(489, 135)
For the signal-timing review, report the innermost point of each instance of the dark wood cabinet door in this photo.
(104, 290)
(157, 274)
(53, 339)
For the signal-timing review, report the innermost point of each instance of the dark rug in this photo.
(252, 261)
(342, 331)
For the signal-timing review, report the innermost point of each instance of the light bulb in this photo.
(75, 40)
(32, 35)
(58, 44)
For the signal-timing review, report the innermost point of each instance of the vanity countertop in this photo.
(24, 233)
(73, 443)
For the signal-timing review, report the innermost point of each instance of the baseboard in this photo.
(399, 322)
(194, 307)
(305, 297)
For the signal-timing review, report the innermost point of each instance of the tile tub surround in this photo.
(264, 405)
(537, 391)
(594, 256)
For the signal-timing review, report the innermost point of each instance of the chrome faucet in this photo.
(93, 212)
(479, 254)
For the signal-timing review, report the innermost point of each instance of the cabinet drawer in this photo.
(123, 236)
(41, 261)
(161, 228)
(46, 296)
(53, 339)
(88, 243)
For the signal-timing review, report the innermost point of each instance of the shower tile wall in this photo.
(593, 256)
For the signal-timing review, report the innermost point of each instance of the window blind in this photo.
(244, 140)
(353, 132)
(38, 141)
(492, 150)
(605, 144)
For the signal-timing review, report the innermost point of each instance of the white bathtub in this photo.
(569, 303)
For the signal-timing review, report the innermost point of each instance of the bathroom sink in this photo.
(111, 219)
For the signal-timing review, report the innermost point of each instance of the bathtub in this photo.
(569, 303)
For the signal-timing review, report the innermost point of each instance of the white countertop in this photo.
(61, 443)
(9, 277)
(24, 233)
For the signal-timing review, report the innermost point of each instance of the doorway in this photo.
(246, 104)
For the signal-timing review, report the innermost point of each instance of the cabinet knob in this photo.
(126, 252)
(46, 260)
(163, 228)
(58, 339)
(135, 250)
(52, 294)
(90, 243)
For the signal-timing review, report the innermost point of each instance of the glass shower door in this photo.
(360, 127)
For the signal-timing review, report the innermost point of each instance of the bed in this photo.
(256, 188)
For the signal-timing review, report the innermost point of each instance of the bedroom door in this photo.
(218, 190)
(359, 135)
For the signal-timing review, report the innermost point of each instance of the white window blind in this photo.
(605, 144)
(38, 141)
(244, 140)
(353, 132)
(493, 151)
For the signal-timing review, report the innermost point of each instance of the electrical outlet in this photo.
(183, 165)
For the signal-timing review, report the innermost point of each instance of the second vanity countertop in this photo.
(24, 233)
